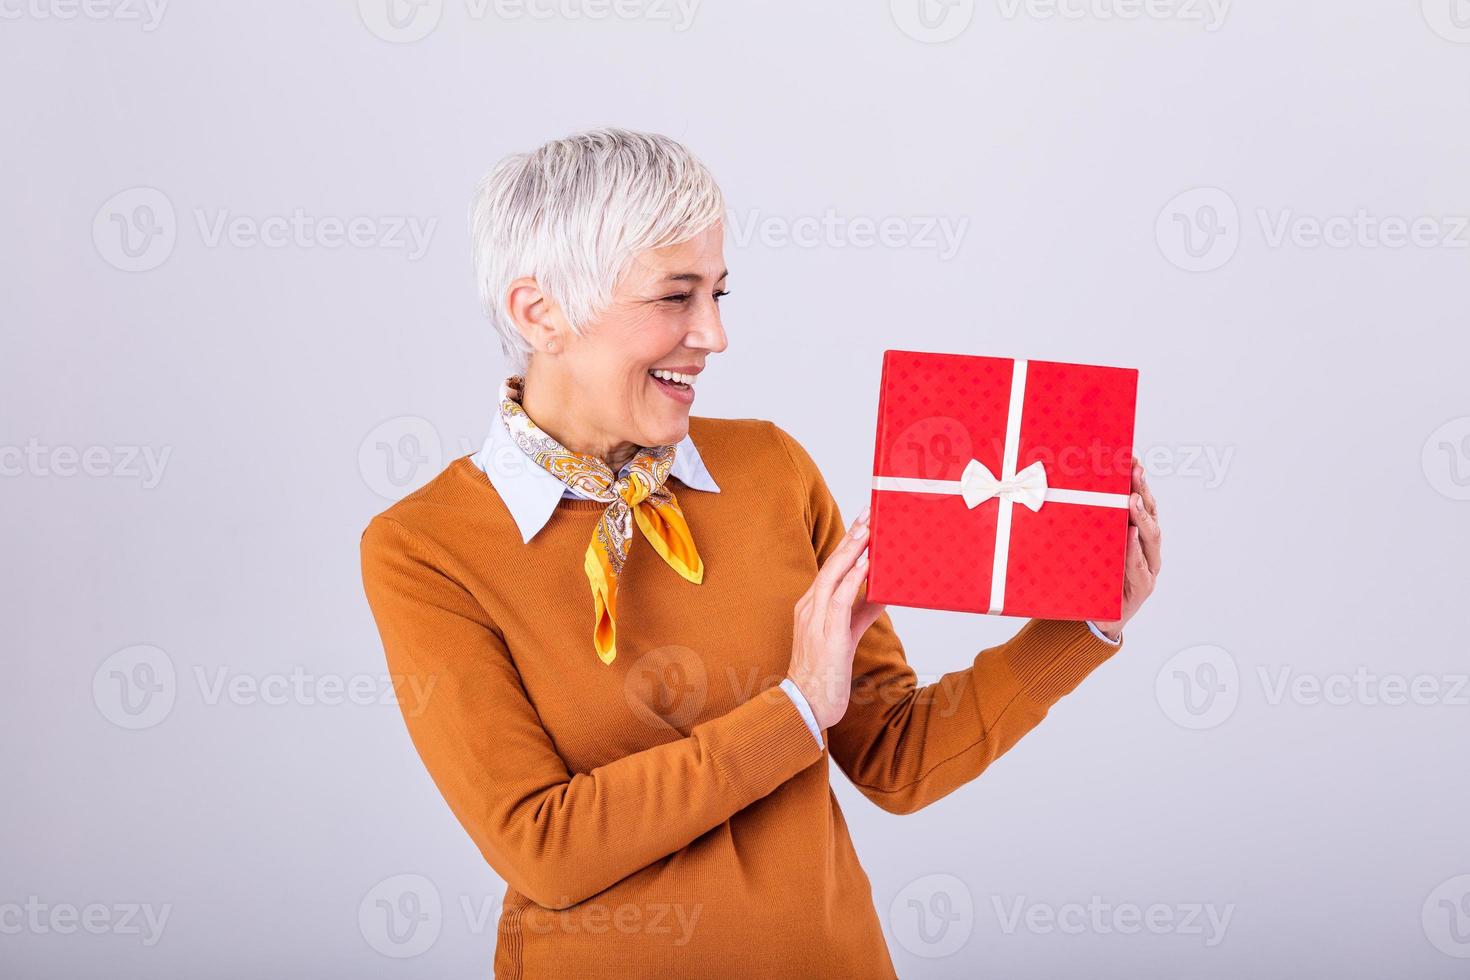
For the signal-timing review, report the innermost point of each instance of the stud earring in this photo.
(550, 345)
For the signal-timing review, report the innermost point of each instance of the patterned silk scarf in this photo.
(640, 494)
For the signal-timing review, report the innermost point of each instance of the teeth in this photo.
(687, 379)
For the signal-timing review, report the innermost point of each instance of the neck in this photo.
(552, 404)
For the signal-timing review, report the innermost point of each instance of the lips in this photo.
(680, 392)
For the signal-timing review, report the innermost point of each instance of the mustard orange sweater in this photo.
(669, 814)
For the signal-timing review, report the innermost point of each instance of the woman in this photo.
(635, 734)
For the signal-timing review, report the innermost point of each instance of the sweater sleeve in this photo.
(555, 836)
(904, 746)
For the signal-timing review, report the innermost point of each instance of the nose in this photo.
(707, 332)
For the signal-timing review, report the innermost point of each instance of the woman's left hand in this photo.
(1142, 562)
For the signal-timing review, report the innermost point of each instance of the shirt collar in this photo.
(531, 492)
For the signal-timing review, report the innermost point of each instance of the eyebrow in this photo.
(692, 277)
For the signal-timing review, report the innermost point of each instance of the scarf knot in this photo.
(640, 495)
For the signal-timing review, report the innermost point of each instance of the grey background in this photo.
(1327, 381)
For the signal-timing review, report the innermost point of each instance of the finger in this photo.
(1137, 563)
(839, 607)
(1140, 485)
(866, 615)
(1150, 537)
(839, 562)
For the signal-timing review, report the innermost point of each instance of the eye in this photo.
(676, 298)
(721, 292)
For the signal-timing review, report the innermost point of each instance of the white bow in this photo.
(1028, 487)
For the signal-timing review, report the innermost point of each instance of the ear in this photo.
(534, 313)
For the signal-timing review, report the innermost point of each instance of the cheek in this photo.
(647, 342)
(640, 386)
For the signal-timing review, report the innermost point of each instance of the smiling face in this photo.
(596, 393)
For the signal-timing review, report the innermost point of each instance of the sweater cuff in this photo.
(1050, 657)
(762, 743)
(804, 706)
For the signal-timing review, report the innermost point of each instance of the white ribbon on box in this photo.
(1028, 488)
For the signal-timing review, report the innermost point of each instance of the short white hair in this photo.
(573, 212)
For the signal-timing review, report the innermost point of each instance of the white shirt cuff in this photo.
(1101, 635)
(799, 699)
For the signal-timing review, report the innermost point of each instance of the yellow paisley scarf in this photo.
(640, 494)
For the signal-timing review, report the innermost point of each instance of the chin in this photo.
(666, 433)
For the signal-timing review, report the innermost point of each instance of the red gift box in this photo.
(1001, 485)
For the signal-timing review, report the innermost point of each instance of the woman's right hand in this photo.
(829, 622)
